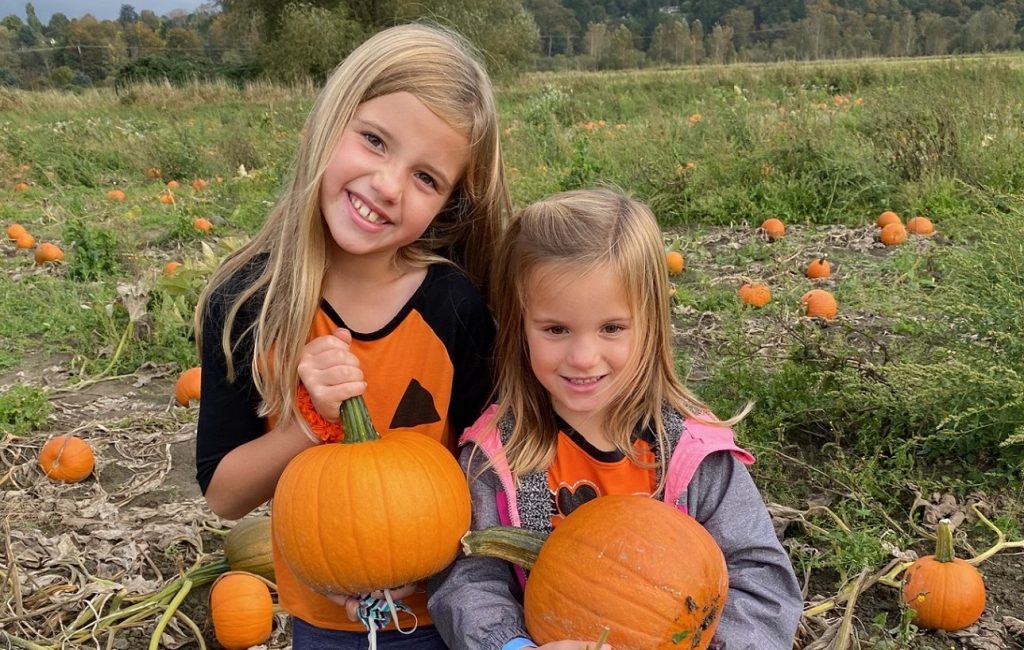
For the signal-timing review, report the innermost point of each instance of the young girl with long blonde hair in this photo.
(590, 405)
(368, 275)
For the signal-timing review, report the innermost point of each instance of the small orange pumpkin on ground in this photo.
(241, 609)
(48, 252)
(153, 172)
(116, 195)
(675, 261)
(893, 234)
(199, 184)
(14, 230)
(25, 240)
(819, 303)
(818, 268)
(756, 294)
(774, 228)
(171, 267)
(166, 197)
(66, 458)
(187, 387)
(202, 224)
(21, 187)
(920, 225)
(886, 218)
(946, 592)
(172, 184)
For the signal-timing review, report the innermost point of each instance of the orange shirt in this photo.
(581, 472)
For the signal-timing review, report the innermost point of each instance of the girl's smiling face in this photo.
(579, 331)
(391, 172)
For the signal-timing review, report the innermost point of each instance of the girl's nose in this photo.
(583, 353)
(387, 184)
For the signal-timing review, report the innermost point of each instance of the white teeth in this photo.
(584, 382)
(365, 212)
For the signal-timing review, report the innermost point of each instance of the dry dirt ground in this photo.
(139, 521)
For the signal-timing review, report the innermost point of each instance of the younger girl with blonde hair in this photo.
(367, 275)
(590, 405)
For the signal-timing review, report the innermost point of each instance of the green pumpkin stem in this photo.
(944, 542)
(516, 545)
(355, 420)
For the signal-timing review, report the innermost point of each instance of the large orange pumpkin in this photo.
(945, 592)
(14, 230)
(241, 609)
(887, 218)
(675, 262)
(639, 566)
(66, 458)
(370, 512)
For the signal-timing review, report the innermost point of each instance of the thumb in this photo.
(343, 334)
(351, 608)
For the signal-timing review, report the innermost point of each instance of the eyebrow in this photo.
(444, 183)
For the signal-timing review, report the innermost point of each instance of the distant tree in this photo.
(310, 43)
(98, 47)
(621, 52)
(57, 28)
(32, 20)
(596, 41)
(557, 25)
(934, 33)
(720, 45)
(988, 30)
(184, 42)
(671, 42)
(127, 17)
(12, 22)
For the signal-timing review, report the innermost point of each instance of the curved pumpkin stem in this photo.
(355, 420)
(517, 545)
(944, 542)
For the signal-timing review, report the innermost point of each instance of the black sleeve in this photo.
(227, 409)
(472, 354)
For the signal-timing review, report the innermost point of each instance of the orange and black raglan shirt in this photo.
(428, 370)
(581, 472)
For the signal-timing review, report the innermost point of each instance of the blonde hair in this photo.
(581, 231)
(440, 69)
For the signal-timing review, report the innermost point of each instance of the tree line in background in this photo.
(297, 40)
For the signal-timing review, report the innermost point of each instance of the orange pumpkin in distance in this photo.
(172, 184)
(66, 458)
(116, 195)
(21, 187)
(774, 228)
(48, 252)
(153, 172)
(199, 184)
(756, 295)
(25, 240)
(819, 268)
(14, 230)
(675, 261)
(819, 303)
(171, 267)
(166, 197)
(886, 218)
(893, 234)
(920, 225)
(241, 609)
(202, 224)
(945, 592)
(187, 387)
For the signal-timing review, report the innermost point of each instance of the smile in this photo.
(365, 212)
(583, 381)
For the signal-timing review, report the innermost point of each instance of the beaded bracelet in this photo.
(323, 429)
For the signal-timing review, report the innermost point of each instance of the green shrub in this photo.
(23, 409)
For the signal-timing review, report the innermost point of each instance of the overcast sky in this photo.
(102, 9)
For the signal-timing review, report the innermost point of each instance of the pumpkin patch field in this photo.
(886, 366)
